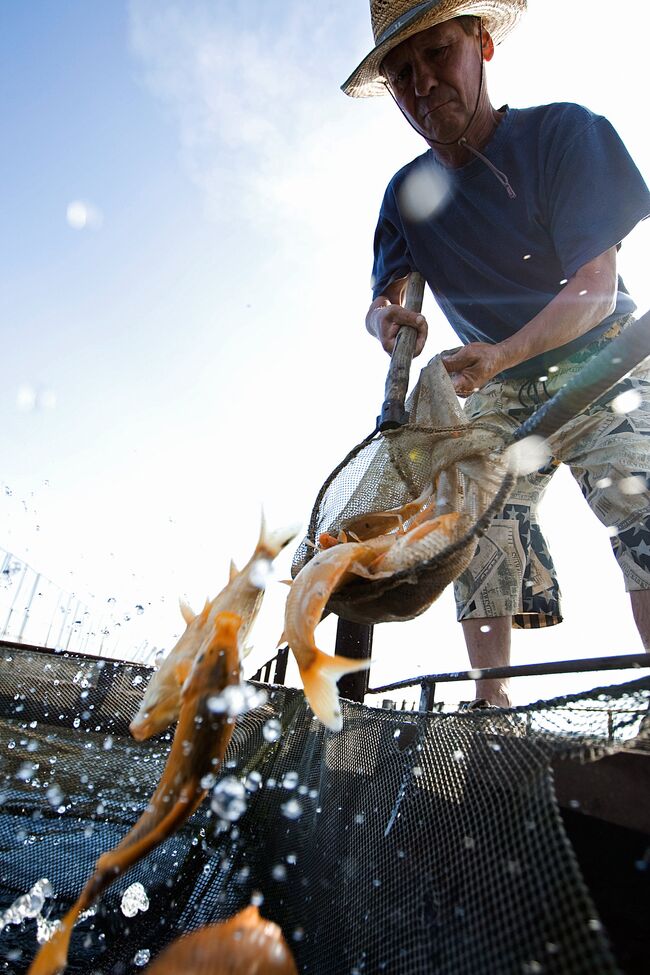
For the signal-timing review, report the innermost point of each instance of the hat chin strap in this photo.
(459, 140)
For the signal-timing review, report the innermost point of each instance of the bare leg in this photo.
(640, 599)
(488, 645)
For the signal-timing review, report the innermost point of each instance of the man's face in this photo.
(435, 78)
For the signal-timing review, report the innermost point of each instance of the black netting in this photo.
(408, 843)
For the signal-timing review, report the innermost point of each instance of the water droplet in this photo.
(290, 780)
(292, 809)
(423, 192)
(257, 898)
(139, 609)
(26, 771)
(229, 799)
(236, 699)
(626, 402)
(272, 730)
(529, 454)
(253, 781)
(54, 796)
(279, 872)
(298, 934)
(632, 485)
(141, 957)
(458, 756)
(134, 899)
(261, 573)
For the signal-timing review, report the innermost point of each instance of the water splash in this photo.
(229, 799)
(134, 899)
(272, 730)
(28, 905)
(236, 699)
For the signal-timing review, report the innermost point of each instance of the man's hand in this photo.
(385, 319)
(473, 365)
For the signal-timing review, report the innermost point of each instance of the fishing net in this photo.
(410, 843)
(438, 446)
(468, 465)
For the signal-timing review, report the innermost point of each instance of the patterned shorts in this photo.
(608, 452)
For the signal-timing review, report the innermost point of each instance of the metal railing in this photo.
(37, 612)
(579, 666)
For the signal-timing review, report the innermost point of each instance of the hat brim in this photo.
(498, 16)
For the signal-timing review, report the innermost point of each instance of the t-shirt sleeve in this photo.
(392, 257)
(595, 193)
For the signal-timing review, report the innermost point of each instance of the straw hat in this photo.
(395, 20)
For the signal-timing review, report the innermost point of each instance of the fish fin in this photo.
(368, 572)
(182, 669)
(233, 572)
(282, 640)
(205, 612)
(186, 611)
(272, 543)
(286, 582)
(319, 680)
(246, 650)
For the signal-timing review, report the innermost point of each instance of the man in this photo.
(520, 252)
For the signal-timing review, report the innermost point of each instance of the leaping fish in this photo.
(242, 595)
(245, 944)
(327, 571)
(197, 750)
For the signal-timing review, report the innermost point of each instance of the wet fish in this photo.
(376, 523)
(421, 543)
(246, 944)
(242, 595)
(308, 596)
(197, 750)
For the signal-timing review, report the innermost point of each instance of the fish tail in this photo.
(319, 679)
(271, 543)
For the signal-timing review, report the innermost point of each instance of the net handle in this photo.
(619, 357)
(393, 414)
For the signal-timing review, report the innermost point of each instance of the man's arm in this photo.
(386, 316)
(587, 298)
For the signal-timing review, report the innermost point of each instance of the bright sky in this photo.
(189, 202)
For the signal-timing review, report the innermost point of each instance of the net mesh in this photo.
(408, 843)
(439, 447)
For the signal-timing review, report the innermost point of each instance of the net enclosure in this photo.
(409, 843)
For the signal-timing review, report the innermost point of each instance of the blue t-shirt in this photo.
(494, 262)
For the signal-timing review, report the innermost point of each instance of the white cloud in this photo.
(264, 129)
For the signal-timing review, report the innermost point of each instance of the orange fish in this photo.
(308, 596)
(246, 944)
(197, 750)
(376, 523)
(242, 595)
(421, 543)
